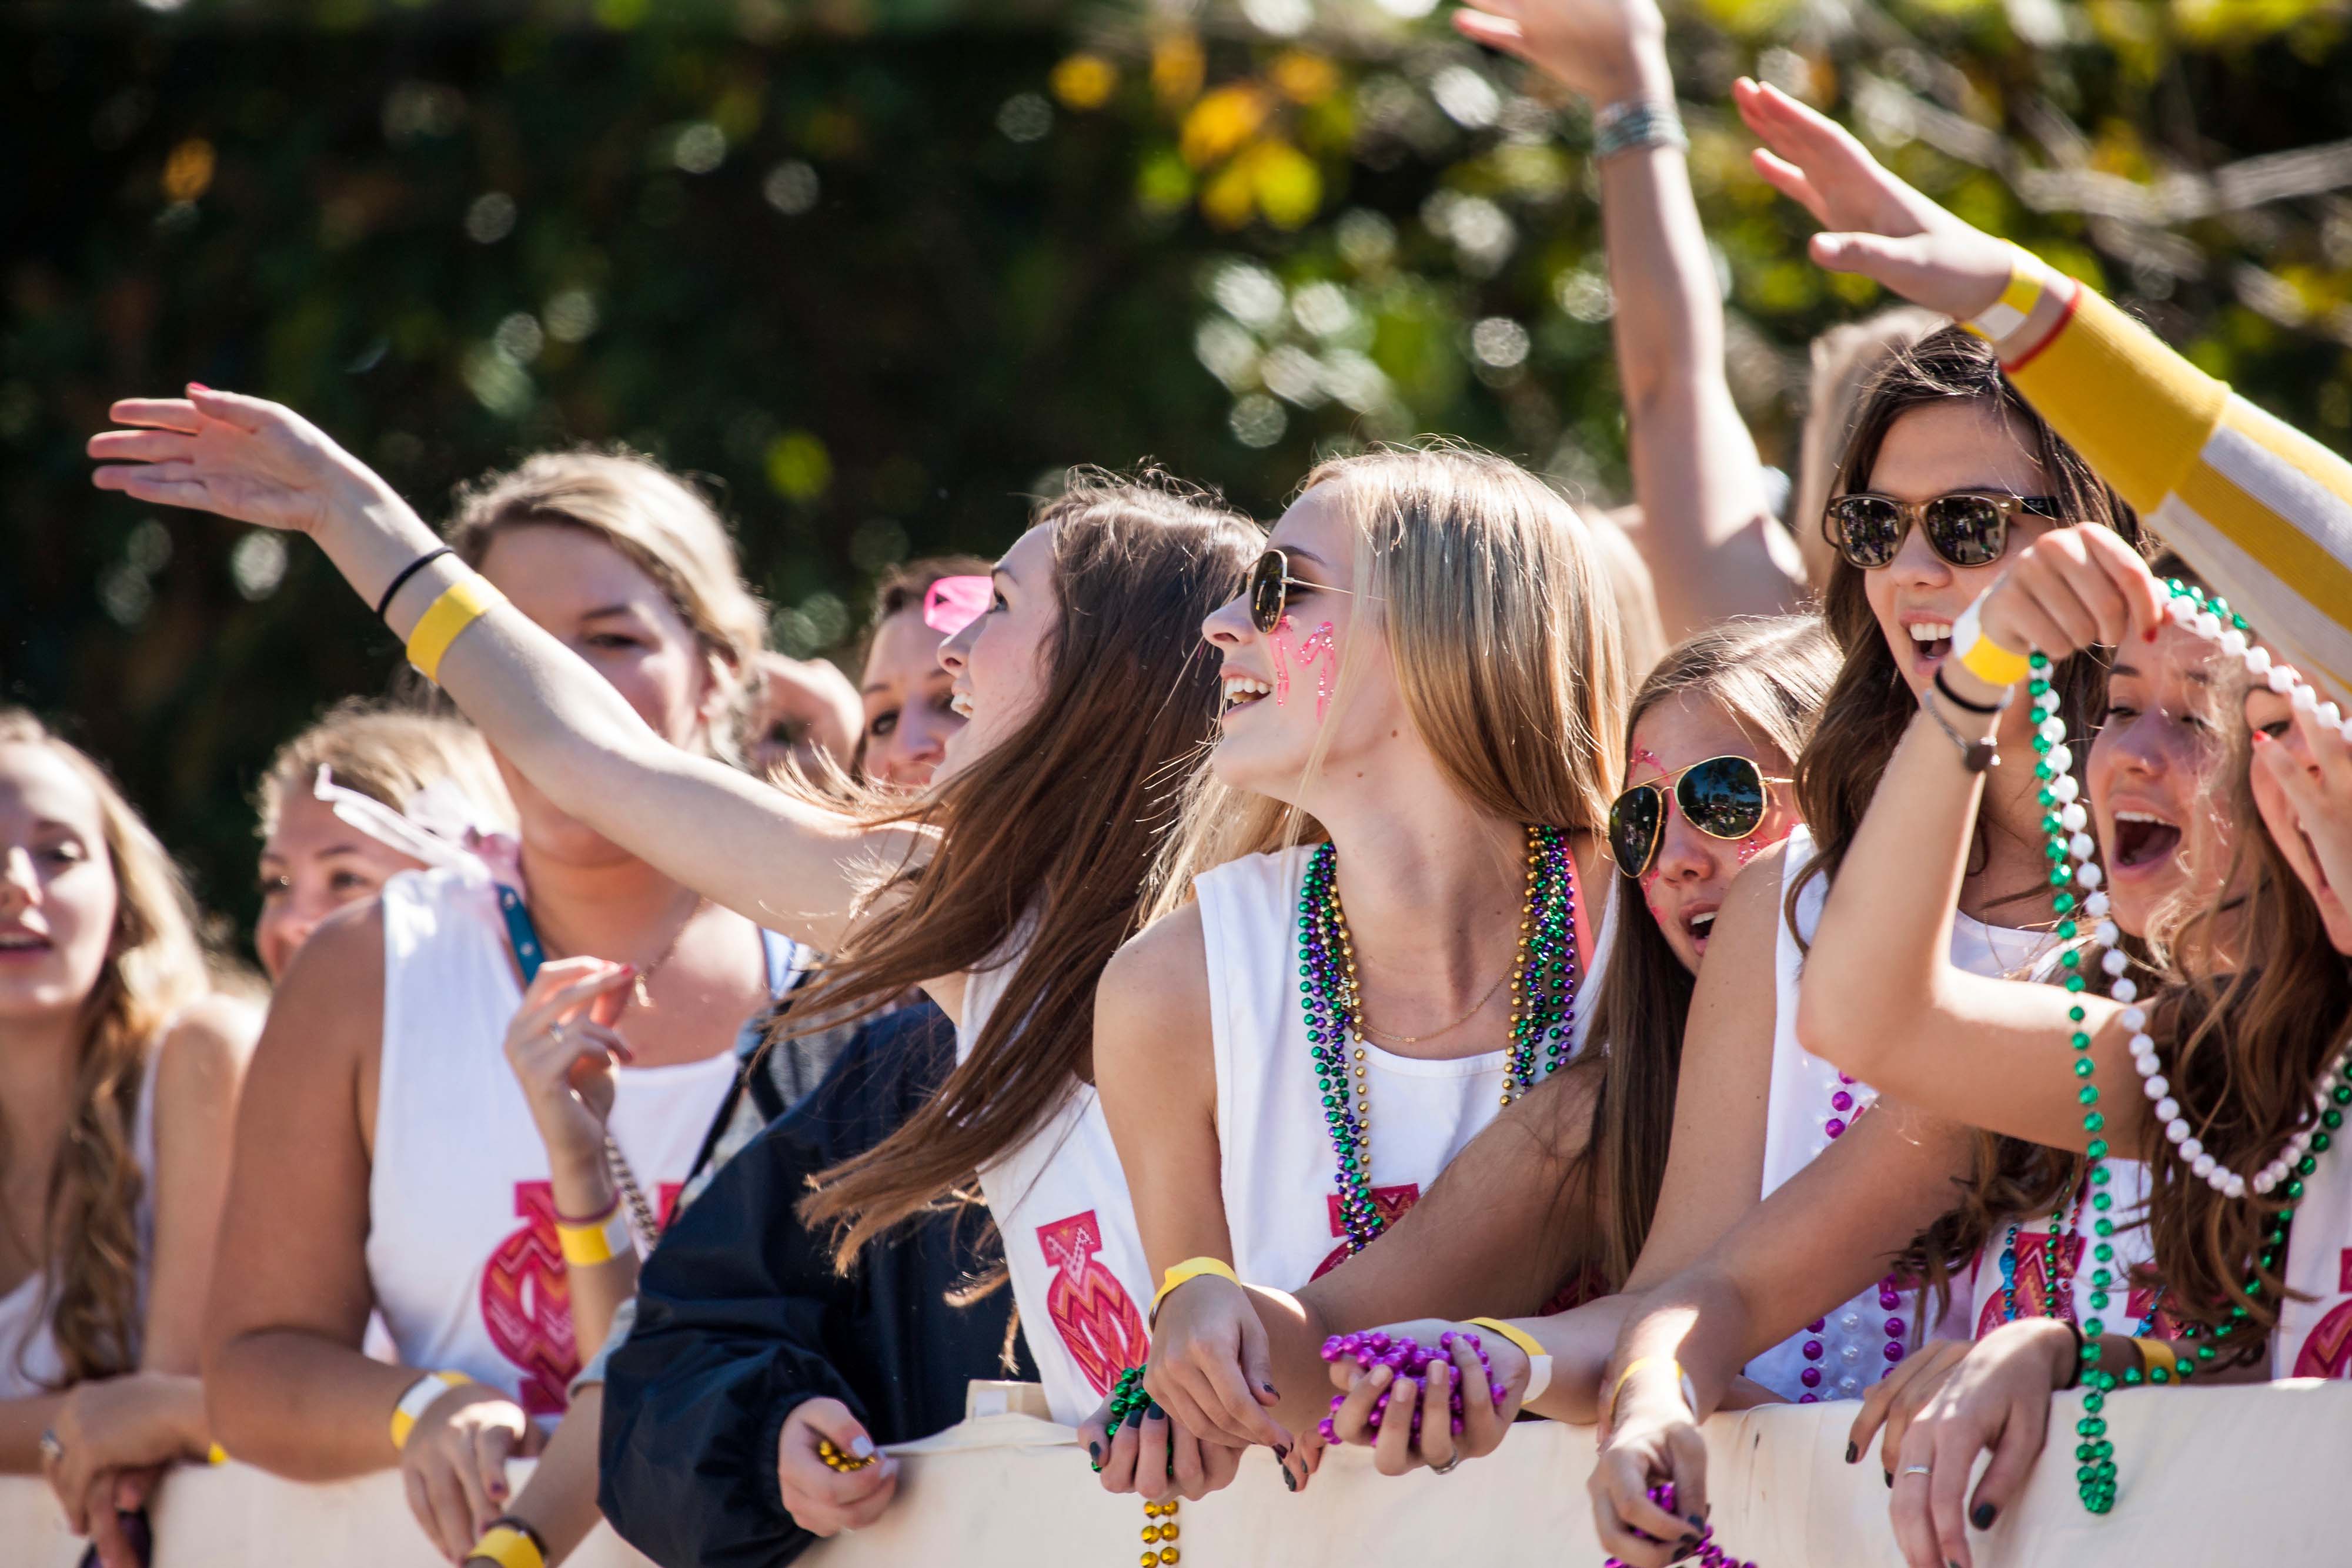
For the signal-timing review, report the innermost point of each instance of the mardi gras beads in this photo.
(1411, 1361)
(1709, 1555)
(1160, 1527)
(842, 1463)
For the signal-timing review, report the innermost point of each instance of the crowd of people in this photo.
(692, 1071)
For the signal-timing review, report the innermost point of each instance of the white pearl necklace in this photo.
(2187, 610)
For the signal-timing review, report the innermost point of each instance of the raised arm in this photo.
(789, 866)
(2260, 509)
(1708, 532)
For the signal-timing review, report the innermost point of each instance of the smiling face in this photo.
(997, 665)
(595, 602)
(2163, 833)
(1278, 687)
(57, 889)
(1691, 872)
(2274, 715)
(1932, 450)
(908, 697)
(314, 863)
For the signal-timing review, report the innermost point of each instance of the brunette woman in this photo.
(119, 1078)
(1019, 872)
(1525, 1215)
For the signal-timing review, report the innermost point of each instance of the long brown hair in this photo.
(1053, 833)
(153, 968)
(1772, 677)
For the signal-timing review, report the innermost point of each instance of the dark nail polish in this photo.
(1269, 1388)
(1152, 1412)
(1698, 1522)
(1281, 1453)
(1094, 1452)
(1983, 1516)
(1289, 1479)
(1852, 1453)
(1135, 1419)
(1951, 1564)
(1890, 1481)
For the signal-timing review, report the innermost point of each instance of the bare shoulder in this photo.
(201, 1057)
(1152, 1004)
(326, 1020)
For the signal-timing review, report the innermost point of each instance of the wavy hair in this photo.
(153, 968)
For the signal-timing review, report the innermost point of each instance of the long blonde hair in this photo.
(153, 968)
(387, 753)
(1503, 629)
(665, 528)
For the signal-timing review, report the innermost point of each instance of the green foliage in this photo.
(880, 268)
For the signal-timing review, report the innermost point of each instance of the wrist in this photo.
(1638, 72)
(583, 1185)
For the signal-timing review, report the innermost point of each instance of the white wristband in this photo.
(1538, 1379)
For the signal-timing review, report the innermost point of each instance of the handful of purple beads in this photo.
(1411, 1360)
(1709, 1555)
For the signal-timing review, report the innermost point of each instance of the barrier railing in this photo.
(2212, 1478)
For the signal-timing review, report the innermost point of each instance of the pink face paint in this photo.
(1280, 639)
(1322, 648)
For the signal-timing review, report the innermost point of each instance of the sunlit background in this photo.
(878, 270)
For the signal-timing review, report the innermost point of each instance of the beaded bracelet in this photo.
(1637, 122)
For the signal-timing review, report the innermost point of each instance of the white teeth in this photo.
(960, 702)
(1700, 925)
(1931, 631)
(21, 939)
(1240, 689)
(2145, 817)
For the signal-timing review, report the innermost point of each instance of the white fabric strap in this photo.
(434, 828)
(1538, 1379)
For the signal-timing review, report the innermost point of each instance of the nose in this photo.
(922, 741)
(1916, 564)
(2140, 747)
(279, 934)
(1685, 856)
(1229, 626)
(956, 650)
(20, 887)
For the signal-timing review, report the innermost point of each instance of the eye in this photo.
(882, 724)
(2277, 729)
(275, 887)
(65, 852)
(2118, 712)
(351, 882)
(613, 639)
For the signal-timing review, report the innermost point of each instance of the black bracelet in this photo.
(2074, 1377)
(410, 569)
(1958, 701)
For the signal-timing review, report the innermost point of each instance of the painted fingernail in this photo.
(1852, 1453)
(1698, 1522)
(1135, 1417)
(1289, 1479)
(1890, 1481)
(1983, 1516)
(1152, 1412)
(199, 386)
(1094, 1452)
(1281, 1452)
(1269, 1388)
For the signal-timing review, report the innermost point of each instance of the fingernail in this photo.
(2148, 635)
(1698, 1522)
(1890, 1481)
(1384, 1372)
(1983, 1516)
(199, 386)
(1094, 1452)
(1269, 1388)
(1281, 1452)
(1289, 1479)
(1852, 1453)
(1152, 1412)
(1135, 1417)
(861, 1447)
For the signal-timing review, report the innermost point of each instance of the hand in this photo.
(806, 710)
(2072, 588)
(1210, 1368)
(566, 1053)
(2308, 804)
(1653, 1436)
(1485, 1424)
(1895, 1400)
(822, 1501)
(109, 1426)
(241, 458)
(1998, 1398)
(454, 1466)
(117, 1534)
(1881, 227)
(1605, 50)
(1157, 1457)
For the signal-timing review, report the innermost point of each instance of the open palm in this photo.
(241, 458)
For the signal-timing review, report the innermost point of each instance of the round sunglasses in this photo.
(1722, 797)
(1270, 583)
(1967, 528)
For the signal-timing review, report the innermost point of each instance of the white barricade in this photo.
(2211, 1478)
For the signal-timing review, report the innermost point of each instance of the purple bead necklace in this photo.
(1844, 1111)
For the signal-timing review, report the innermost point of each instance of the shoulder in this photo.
(201, 1056)
(1164, 964)
(330, 1000)
(1752, 907)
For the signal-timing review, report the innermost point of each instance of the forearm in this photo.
(559, 1500)
(22, 1422)
(302, 1406)
(1708, 533)
(584, 1191)
(1698, 1324)
(1579, 1341)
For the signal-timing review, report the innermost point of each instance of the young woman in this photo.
(1525, 1209)
(119, 1080)
(907, 696)
(365, 794)
(1004, 888)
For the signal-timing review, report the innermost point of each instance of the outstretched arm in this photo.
(1708, 532)
(788, 865)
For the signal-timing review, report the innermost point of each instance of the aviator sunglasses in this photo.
(1270, 583)
(1722, 797)
(1967, 528)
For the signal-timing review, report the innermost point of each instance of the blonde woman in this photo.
(118, 1086)
(1424, 682)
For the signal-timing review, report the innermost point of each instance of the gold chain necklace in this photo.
(1365, 1025)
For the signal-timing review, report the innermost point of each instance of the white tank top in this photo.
(1060, 1201)
(1809, 1104)
(461, 1248)
(1276, 1159)
(30, 1362)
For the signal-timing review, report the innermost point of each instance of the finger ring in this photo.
(51, 1450)
(1917, 1470)
(1447, 1467)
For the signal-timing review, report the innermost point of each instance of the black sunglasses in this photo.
(1722, 797)
(1967, 528)
(1270, 583)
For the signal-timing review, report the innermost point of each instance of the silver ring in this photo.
(1919, 1470)
(51, 1450)
(1447, 1467)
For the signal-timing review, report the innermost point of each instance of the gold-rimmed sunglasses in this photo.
(1722, 797)
(1270, 583)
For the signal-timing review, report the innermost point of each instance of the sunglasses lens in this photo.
(1634, 828)
(1967, 530)
(1867, 529)
(1267, 591)
(1723, 797)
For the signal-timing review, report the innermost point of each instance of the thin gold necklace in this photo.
(1365, 1025)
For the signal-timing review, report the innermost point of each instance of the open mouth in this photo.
(2143, 838)
(20, 941)
(1242, 689)
(1931, 640)
(1700, 925)
(961, 703)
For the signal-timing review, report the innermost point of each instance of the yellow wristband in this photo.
(216, 1454)
(1690, 1396)
(509, 1548)
(1178, 1273)
(2017, 298)
(1517, 1336)
(1982, 658)
(418, 1399)
(461, 604)
(2156, 1353)
(1538, 1358)
(594, 1241)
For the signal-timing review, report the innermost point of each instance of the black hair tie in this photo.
(428, 558)
(1945, 692)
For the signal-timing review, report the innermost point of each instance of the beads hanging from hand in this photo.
(1709, 1555)
(1411, 1361)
